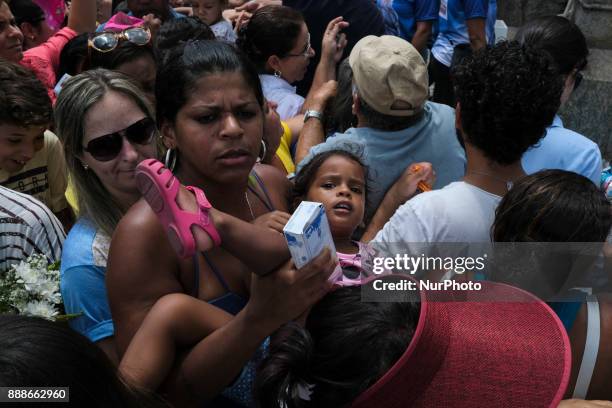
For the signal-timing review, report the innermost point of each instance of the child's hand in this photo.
(406, 185)
(152, 23)
(274, 220)
(254, 5)
(334, 42)
(239, 19)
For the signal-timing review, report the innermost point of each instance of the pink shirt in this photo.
(44, 59)
(354, 268)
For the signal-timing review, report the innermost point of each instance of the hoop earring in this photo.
(170, 160)
(85, 166)
(264, 149)
(277, 73)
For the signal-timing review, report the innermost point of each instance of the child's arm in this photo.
(260, 248)
(193, 224)
(176, 320)
(404, 188)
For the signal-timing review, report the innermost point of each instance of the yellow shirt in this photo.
(71, 196)
(283, 152)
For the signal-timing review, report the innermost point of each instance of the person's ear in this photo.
(568, 86)
(356, 104)
(168, 135)
(274, 62)
(28, 30)
(458, 117)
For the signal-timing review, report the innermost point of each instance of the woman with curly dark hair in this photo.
(507, 95)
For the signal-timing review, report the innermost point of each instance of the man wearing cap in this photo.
(507, 96)
(396, 124)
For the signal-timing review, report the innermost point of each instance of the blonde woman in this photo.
(107, 127)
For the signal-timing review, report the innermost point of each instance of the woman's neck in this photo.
(226, 197)
(125, 200)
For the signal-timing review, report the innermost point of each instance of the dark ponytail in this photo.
(558, 36)
(272, 30)
(284, 376)
(348, 344)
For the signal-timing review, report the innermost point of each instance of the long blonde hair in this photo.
(78, 95)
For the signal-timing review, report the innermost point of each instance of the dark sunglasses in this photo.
(577, 80)
(107, 147)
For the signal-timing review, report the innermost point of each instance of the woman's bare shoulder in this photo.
(140, 242)
(276, 183)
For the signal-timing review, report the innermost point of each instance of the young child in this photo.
(31, 158)
(336, 178)
(211, 12)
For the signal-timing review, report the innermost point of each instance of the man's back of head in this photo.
(390, 82)
(506, 97)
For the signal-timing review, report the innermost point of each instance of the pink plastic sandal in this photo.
(160, 188)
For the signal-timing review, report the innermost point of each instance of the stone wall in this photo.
(589, 110)
(517, 12)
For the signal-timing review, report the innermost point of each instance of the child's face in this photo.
(18, 145)
(209, 11)
(340, 185)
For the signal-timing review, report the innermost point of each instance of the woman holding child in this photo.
(210, 111)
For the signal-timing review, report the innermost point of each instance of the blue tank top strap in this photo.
(214, 269)
(254, 181)
(230, 301)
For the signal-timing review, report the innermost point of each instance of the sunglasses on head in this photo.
(108, 147)
(108, 41)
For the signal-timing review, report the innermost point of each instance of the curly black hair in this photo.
(507, 95)
(23, 98)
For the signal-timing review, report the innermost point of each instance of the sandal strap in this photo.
(204, 207)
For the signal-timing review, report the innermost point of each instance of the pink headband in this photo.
(122, 21)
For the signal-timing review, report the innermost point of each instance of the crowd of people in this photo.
(158, 148)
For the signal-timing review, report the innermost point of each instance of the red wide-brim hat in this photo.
(497, 347)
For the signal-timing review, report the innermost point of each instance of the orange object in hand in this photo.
(421, 185)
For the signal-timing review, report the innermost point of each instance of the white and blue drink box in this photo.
(307, 233)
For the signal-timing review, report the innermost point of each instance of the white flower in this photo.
(41, 309)
(26, 273)
(45, 287)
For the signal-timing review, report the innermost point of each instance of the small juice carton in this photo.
(307, 233)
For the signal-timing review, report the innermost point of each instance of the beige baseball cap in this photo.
(390, 74)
